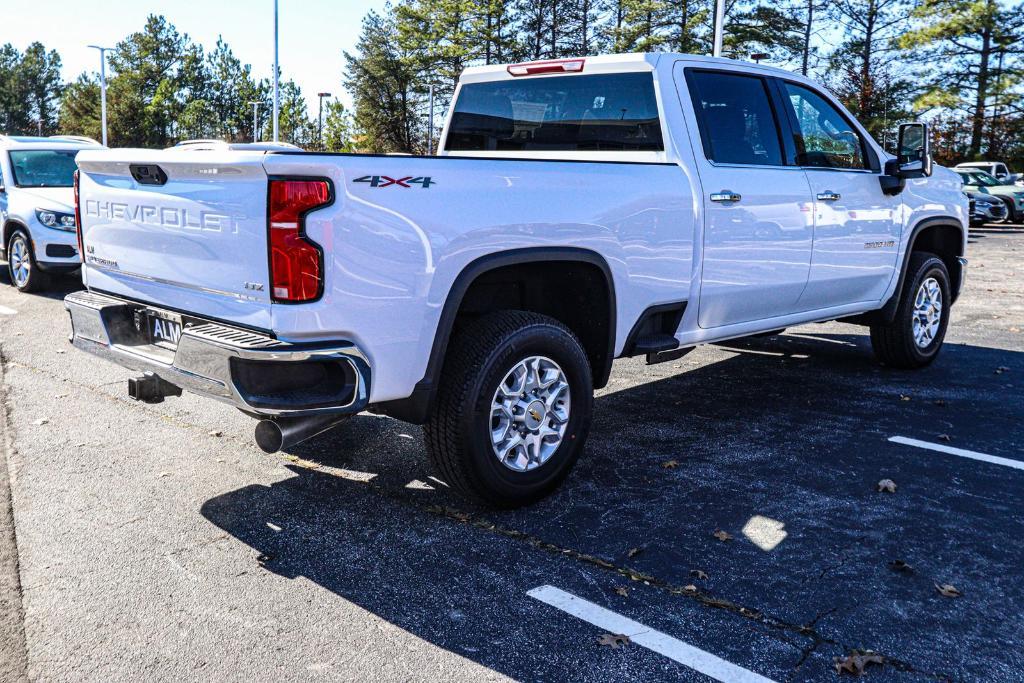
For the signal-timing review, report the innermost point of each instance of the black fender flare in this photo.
(8, 227)
(416, 408)
(887, 313)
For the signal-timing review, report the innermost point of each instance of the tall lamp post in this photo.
(255, 120)
(103, 90)
(320, 126)
(276, 93)
(719, 26)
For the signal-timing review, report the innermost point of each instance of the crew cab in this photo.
(579, 211)
(37, 221)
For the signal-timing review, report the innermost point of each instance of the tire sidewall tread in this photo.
(457, 433)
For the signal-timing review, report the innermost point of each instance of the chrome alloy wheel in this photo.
(20, 261)
(529, 413)
(927, 312)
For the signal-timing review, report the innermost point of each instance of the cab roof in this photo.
(52, 142)
(634, 61)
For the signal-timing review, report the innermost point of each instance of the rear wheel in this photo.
(914, 337)
(513, 409)
(21, 264)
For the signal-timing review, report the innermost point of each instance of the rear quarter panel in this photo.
(392, 253)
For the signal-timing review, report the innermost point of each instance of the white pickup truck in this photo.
(579, 211)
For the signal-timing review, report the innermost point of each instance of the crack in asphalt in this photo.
(774, 623)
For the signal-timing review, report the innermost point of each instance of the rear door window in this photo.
(601, 112)
(735, 116)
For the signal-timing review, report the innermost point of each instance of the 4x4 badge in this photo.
(387, 181)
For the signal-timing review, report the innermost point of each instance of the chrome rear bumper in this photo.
(229, 364)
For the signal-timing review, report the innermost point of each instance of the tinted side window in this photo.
(614, 112)
(823, 136)
(734, 112)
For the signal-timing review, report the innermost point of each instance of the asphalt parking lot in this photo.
(158, 543)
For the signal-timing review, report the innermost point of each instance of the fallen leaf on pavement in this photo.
(722, 535)
(670, 464)
(699, 574)
(887, 485)
(614, 640)
(948, 590)
(901, 566)
(622, 590)
(856, 662)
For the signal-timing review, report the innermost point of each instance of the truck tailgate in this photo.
(179, 229)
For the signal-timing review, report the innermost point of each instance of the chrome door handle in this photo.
(828, 196)
(725, 196)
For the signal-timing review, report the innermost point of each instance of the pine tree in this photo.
(963, 42)
(381, 77)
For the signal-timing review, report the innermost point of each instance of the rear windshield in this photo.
(43, 167)
(615, 112)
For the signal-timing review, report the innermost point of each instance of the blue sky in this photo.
(313, 33)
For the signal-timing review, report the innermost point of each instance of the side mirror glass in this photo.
(914, 155)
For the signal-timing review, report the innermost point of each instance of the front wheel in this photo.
(21, 264)
(513, 409)
(914, 337)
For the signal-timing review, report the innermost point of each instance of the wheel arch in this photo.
(942, 235)
(9, 226)
(416, 408)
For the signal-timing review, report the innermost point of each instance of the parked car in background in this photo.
(981, 182)
(580, 210)
(37, 207)
(986, 209)
(996, 169)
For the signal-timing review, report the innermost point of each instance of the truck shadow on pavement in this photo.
(780, 444)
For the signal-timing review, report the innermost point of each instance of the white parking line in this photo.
(963, 453)
(687, 655)
(7, 311)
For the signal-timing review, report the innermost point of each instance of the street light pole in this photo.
(320, 126)
(103, 90)
(430, 126)
(255, 119)
(719, 25)
(277, 96)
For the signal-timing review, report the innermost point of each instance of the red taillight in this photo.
(78, 220)
(296, 264)
(551, 66)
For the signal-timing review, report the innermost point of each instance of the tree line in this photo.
(162, 87)
(955, 63)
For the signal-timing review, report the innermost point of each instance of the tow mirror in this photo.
(914, 156)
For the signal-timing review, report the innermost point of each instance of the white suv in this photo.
(37, 214)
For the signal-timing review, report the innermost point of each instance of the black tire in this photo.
(1011, 211)
(894, 343)
(458, 432)
(36, 279)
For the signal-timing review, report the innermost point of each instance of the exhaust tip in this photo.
(269, 436)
